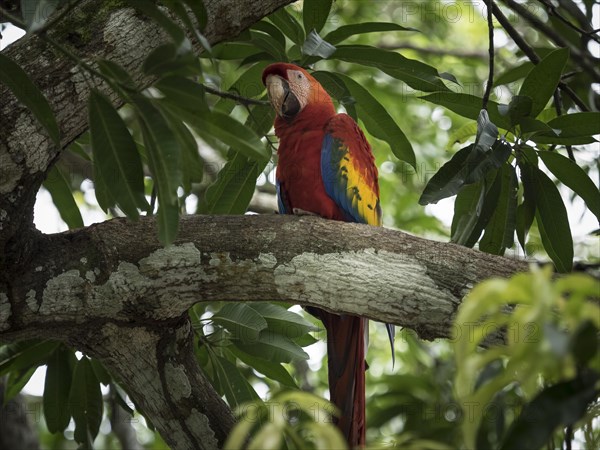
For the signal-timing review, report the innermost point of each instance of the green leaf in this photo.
(24, 354)
(101, 373)
(244, 322)
(197, 7)
(288, 25)
(193, 165)
(513, 74)
(236, 388)
(62, 197)
(542, 80)
(236, 135)
(461, 135)
(573, 176)
(182, 93)
(270, 45)
(467, 209)
(117, 73)
(282, 321)
(315, 13)
(552, 220)
(16, 381)
(57, 386)
(272, 31)
(165, 59)
(562, 404)
(116, 156)
(499, 233)
(525, 214)
(575, 128)
(336, 87)
(273, 347)
(36, 13)
(86, 403)
(416, 74)
(27, 93)
(274, 371)
(490, 202)
(448, 180)
(468, 106)
(469, 164)
(518, 108)
(344, 32)
(314, 45)
(378, 121)
(164, 157)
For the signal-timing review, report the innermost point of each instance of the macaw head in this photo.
(292, 90)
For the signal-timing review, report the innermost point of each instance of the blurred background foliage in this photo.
(260, 352)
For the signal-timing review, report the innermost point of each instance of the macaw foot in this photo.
(301, 212)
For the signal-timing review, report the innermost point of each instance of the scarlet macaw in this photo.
(326, 168)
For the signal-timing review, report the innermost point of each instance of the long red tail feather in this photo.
(346, 363)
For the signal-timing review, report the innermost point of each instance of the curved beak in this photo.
(282, 98)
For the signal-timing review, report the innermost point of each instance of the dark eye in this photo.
(300, 76)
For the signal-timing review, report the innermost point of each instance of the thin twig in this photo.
(555, 37)
(531, 54)
(554, 12)
(490, 81)
(238, 98)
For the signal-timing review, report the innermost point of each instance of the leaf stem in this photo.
(231, 96)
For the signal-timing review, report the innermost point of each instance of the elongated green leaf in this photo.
(165, 59)
(197, 7)
(85, 399)
(116, 155)
(518, 108)
(314, 45)
(490, 202)
(468, 106)
(492, 159)
(542, 80)
(336, 87)
(378, 121)
(57, 386)
(499, 233)
(237, 135)
(467, 209)
(62, 197)
(16, 381)
(272, 31)
(346, 31)
(37, 12)
(552, 220)
(275, 371)
(568, 129)
(461, 135)
(24, 354)
(164, 157)
(416, 74)
(288, 25)
(236, 388)
(573, 176)
(117, 73)
(564, 404)
(193, 165)
(273, 347)
(448, 180)
(282, 321)
(315, 13)
(513, 74)
(27, 93)
(241, 320)
(270, 45)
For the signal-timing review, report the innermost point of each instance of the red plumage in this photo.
(307, 126)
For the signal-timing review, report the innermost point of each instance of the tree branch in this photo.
(97, 32)
(118, 271)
